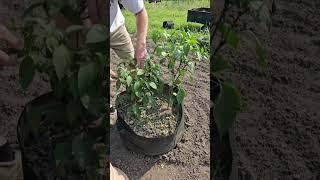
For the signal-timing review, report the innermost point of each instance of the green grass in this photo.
(165, 11)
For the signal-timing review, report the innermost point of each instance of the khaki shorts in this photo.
(121, 43)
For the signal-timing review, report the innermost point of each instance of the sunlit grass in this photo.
(175, 11)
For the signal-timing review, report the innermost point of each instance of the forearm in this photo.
(142, 26)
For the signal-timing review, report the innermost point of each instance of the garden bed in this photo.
(277, 134)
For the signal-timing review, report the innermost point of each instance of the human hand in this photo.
(13, 41)
(140, 53)
(112, 75)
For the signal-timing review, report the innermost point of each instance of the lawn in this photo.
(175, 11)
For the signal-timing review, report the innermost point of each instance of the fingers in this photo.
(12, 40)
(140, 55)
(112, 76)
(112, 73)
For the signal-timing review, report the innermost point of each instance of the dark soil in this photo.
(156, 121)
(278, 132)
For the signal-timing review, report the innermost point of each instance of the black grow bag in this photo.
(222, 148)
(26, 138)
(151, 146)
(54, 111)
(200, 15)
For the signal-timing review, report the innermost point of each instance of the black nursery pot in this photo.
(27, 139)
(223, 146)
(151, 146)
(52, 114)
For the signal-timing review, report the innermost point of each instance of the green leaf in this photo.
(227, 106)
(135, 109)
(224, 29)
(158, 50)
(61, 60)
(182, 72)
(255, 44)
(73, 112)
(140, 72)
(97, 34)
(118, 84)
(164, 54)
(62, 151)
(26, 72)
(52, 43)
(85, 99)
(233, 39)
(87, 75)
(155, 36)
(256, 5)
(153, 85)
(137, 85)
(180, 95)
(219, 63)
(39, 21)
(129, 80)
(92, 102)
(137, 93)
(31, 8)
(74, 28)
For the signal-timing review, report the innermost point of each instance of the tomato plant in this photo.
(75, 60)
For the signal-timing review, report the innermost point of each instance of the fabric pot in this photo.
(224, 148)
(151, 146)
(10, 162)
(52, 114)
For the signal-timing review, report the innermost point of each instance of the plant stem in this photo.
(221, 17)
(222, 41)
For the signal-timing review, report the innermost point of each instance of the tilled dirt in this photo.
(278, 132)
(12, 98)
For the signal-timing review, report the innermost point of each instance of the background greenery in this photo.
(174, 10)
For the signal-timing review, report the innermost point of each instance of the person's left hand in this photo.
(140, 52)
(13, 41)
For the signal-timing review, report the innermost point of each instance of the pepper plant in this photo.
(177, 51)
(77, 71)
(227, 32)
(142, 85)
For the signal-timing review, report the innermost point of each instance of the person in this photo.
(117, 174)
(120, 40)
(13, 42)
